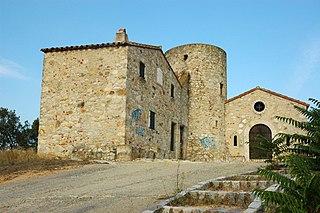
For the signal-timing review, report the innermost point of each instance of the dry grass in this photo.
(18, 162)
(16, 156)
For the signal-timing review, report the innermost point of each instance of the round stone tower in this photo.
(206, 65)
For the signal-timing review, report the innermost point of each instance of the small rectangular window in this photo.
(235, 140)
(173, 126)
(142, 68)
(221, 89)
(172, 91)
(152, 120)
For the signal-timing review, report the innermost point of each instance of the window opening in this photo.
(221, 88)
(185, 57)
(259, 106)
(173, 125)
(142, 69)
(235, 140)
(152, 120)
(181, 142)
(172, 91)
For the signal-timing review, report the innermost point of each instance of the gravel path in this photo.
(120, 187)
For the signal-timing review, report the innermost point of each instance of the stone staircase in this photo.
(223, 194)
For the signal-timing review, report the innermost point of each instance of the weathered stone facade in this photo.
(153, 94)
(124, 100)
(83, 102)
(241, 117)
(206, 65)
(96, 104)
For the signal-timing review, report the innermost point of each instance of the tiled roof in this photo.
(267, 91)
(96, 46)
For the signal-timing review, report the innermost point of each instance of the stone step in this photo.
(215, 198)
(240, 185)
(207, 209)
(245, 177)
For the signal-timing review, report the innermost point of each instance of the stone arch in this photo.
(247, 130)
(254, 152)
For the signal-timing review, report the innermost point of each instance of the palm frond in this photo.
(299, 169)
(309, 150)
(315, 102)
(305, 112)
(312, 193)
(291, 121)
(283, 181)
(302, 139)
(281, 200)
(264, 144)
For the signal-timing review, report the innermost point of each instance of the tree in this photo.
(14, 134)
(10, 128)
(33, 134)
(298, 192)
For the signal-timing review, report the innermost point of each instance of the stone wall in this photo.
(206, 65)
(241, 117)
(96, 104)
(83, 102)
(153, 93)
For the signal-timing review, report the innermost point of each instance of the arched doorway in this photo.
(263, 130)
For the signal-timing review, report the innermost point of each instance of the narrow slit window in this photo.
(141, 70)
(152, 120)
(172, 91)
(173, 125)
(221, 89)
(235, 140)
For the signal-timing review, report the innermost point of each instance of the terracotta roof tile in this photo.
(96, 46)
(270, 92)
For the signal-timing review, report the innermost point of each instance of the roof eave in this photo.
(97, 46)
(267, 91)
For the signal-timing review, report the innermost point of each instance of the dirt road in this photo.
(120, 187)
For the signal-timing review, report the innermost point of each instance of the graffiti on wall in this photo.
(207, 142)
(136, 120)
(139, 130)
(136, 114)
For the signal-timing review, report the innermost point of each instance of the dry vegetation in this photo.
(23, 164)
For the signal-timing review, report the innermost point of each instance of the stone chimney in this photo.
(121, 36)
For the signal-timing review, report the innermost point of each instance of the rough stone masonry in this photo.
(125, 100)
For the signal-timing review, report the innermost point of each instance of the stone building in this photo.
(252, 113)
(125, 100)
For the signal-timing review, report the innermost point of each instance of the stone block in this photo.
(124, 153)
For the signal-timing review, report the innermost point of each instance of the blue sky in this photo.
(273, 44)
